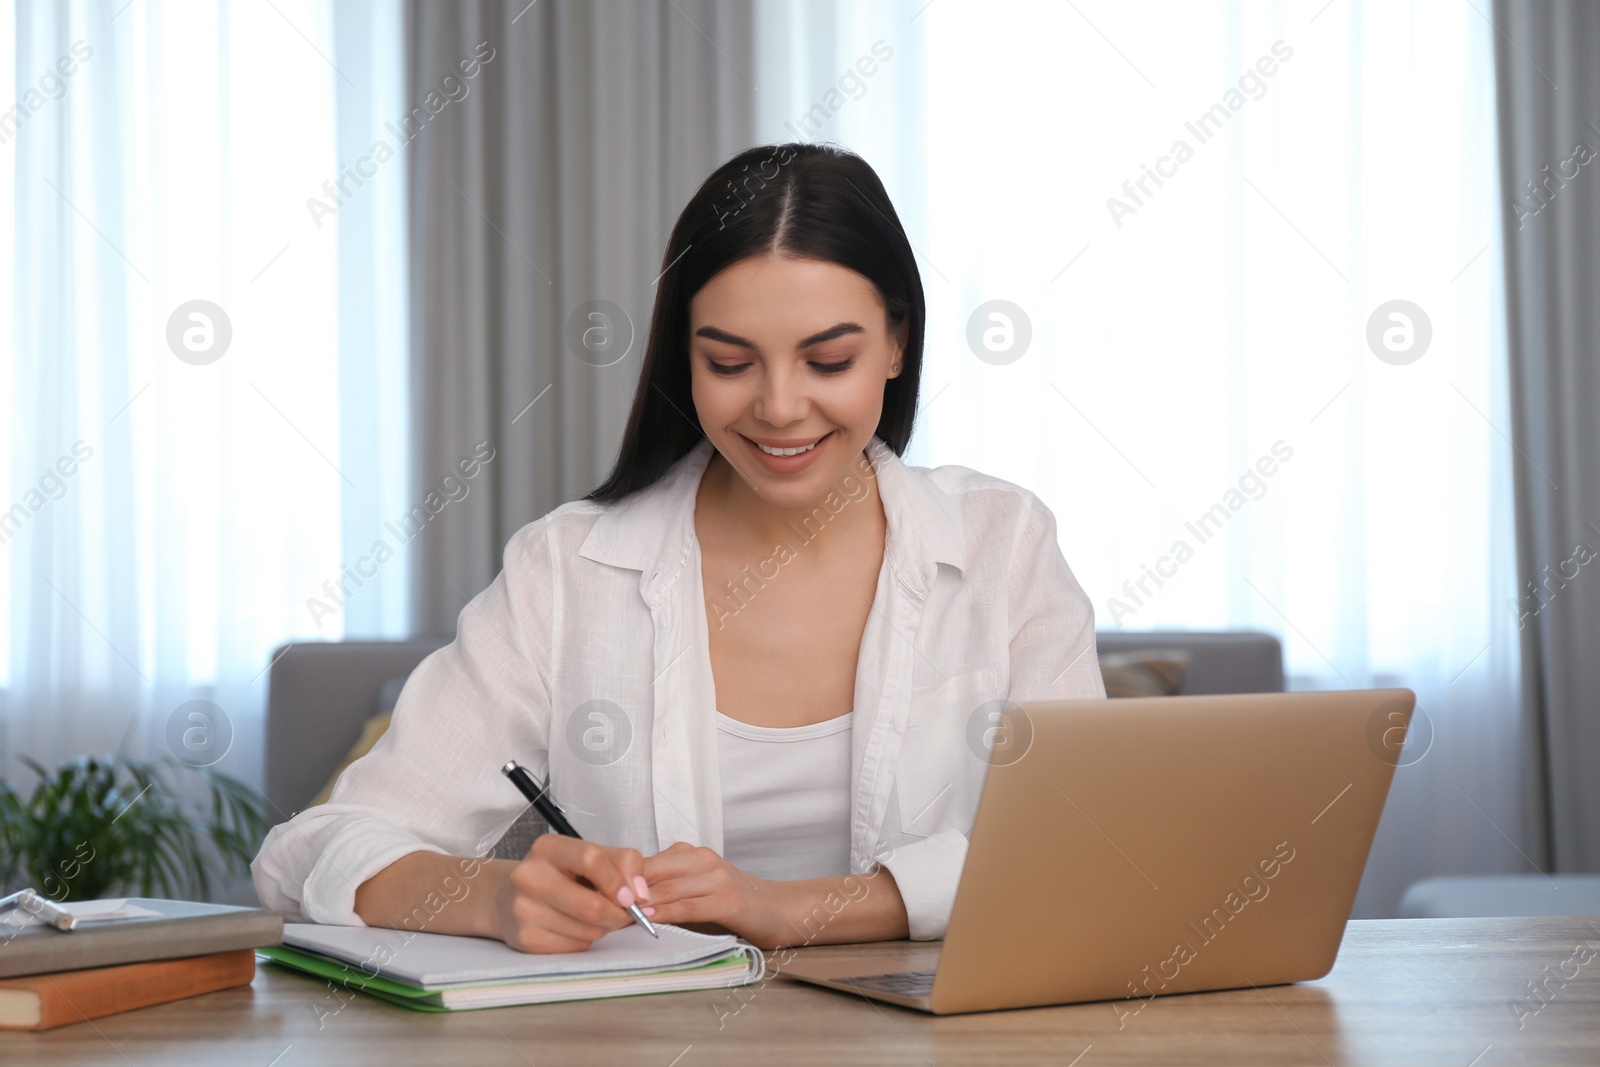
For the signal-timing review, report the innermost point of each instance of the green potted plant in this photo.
(112, 825)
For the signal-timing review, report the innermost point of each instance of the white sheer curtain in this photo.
(1216, 319)
(216, 491)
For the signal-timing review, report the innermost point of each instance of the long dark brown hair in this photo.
(804, 200)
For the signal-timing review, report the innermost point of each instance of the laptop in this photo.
(1133, 848)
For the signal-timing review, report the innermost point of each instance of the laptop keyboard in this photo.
(905, 983)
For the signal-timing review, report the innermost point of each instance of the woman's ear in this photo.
(900, 334)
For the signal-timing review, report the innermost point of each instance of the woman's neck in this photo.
(743, 518)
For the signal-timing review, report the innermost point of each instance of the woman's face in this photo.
(790, 354)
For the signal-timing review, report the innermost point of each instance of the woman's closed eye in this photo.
(836, 367)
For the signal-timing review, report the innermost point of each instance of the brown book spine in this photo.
(73, 996)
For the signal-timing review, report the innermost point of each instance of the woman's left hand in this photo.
(693, 885)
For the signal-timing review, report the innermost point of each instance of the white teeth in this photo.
(786, 451)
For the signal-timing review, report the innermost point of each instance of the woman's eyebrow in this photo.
(843, 328)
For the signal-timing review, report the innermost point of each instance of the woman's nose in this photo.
(782, 398)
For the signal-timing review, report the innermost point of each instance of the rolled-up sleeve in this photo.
(926, 873)
(432, 782)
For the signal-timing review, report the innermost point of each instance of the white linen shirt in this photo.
(587, 659)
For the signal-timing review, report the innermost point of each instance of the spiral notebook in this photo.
(441, 972)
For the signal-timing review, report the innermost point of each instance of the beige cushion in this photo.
(1151, 673)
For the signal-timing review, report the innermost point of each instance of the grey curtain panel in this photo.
(1547, 60)
(551, 146)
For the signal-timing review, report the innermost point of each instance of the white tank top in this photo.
(786, 797)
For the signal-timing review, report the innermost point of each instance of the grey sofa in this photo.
(1481, 895)
(1221, 661)
(321, 693)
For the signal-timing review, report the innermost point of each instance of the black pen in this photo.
(540, 799)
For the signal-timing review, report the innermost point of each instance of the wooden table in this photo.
(1437, 991)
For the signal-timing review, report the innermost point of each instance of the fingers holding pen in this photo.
(566, 889)
(617, 874)
(566, 894)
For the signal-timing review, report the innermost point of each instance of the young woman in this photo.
(762, 664)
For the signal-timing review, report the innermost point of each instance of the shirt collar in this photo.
(652, 530)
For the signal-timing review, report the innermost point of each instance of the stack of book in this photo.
(125, 954)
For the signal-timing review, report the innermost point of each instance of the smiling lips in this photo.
(771, 451)
(782, 450)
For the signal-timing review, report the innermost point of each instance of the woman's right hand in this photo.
(566, 894)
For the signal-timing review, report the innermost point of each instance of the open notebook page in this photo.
(434, 961)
